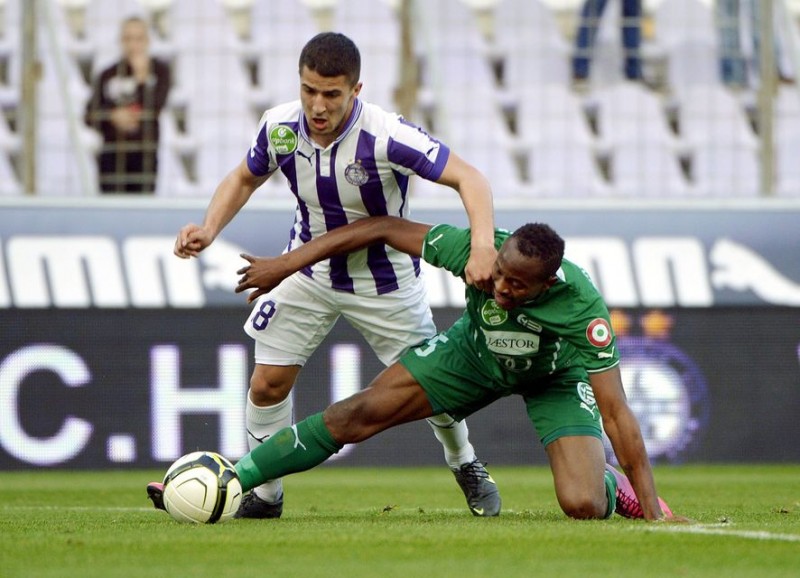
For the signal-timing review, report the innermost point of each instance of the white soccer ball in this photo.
(203, 488)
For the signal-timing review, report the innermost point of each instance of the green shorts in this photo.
(459, 384)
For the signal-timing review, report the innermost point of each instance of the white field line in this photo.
(721, 530)
(702, 529)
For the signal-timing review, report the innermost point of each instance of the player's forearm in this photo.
(231, 195)
(476, 195)
(629, 447)
(403, 235)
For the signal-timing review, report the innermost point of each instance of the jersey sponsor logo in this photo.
(511, 342)
(599, 332)
(586, 395)
(528, 323)
(492, 314)
(355, 174)
(283, 139)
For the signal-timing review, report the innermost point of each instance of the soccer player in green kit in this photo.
(543, 333)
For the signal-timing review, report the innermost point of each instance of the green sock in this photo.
(611, 493)
(293, 449)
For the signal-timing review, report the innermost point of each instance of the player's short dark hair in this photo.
(332, 54)
(540, 241)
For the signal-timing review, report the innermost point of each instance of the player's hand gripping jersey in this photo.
(565, 327)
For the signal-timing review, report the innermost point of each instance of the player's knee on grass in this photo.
(584, 505)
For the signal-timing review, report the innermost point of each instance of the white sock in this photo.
(454, 437)
(262, 422)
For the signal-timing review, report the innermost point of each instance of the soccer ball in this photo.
(202, 487)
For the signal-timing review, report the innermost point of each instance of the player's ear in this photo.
(357, 88)
(550, 282)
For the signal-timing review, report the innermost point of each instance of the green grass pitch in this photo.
(409, 523)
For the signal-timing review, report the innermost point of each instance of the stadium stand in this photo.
(551, 114)
(65, 145)
(629, 112)
(787, 142)
(375, 28)
(651, 171)
(278, 31)
(527, 40)
(463, 96)
(726, 171)
(565, 170)
(712, 114)
(499, 69)
(211, 87)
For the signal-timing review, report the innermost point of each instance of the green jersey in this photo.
(565, 327)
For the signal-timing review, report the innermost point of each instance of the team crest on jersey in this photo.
(283, 139)
(355, 174)
(599, 332)
(528, 323)
(492, 314)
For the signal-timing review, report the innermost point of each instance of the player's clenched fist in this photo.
(191, 240)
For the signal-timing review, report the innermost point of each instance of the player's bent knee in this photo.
(580, 506)
(265, 392)
(584, 508)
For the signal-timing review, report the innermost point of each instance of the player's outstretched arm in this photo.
(626, 438)
(231, 195)
(264, 273)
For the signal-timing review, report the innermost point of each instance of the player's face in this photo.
(517, 278)
(134, 39)
(327, 104)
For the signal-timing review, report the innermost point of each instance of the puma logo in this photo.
(741, 269)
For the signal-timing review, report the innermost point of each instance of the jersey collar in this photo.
(355, 114)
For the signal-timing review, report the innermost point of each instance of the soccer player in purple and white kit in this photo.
(344, 160)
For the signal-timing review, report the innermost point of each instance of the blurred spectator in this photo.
(630, 22)
(739, 30)
(126, 101)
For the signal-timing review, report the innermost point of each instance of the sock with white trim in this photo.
(454, 437)
(262, 422)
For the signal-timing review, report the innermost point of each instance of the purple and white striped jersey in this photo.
(363, 173)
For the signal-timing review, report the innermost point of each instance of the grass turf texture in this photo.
(401, 522)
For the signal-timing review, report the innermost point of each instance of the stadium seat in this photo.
(10, 141)
(551, 114)
(649, 171)
(375, 28)
(200, 25)
(787, 142)
(712, 114)
(66, 146)
(608, 54)
(172, 179)
(10, 184)
(726, 171)
(529, 44)
(11, 26)
(629, 113)
(565, 170)
(212, 87)
(278, 32)
(456, 75)
(694, 62)
(680, 21)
